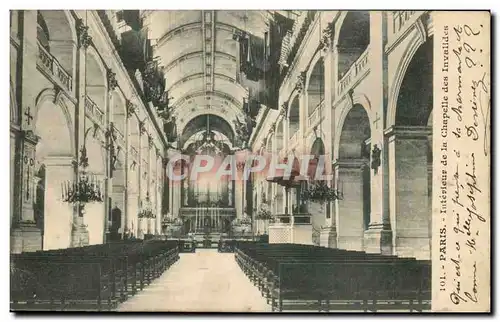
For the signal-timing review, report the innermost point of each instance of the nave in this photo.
(205, 281)
(95, 139)
(151, 276)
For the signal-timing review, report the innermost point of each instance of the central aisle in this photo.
(206, 281)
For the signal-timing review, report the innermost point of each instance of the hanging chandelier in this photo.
(86, 189)
(146, 209)
(320, 192)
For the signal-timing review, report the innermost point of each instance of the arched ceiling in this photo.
(200, 56)
(207, 121)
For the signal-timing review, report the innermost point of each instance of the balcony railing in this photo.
(300, 28)
(316, 114)
(400, 18)
(119, 136)
(94, 110)
(293, 139)
(354, 72)
(134, 153)
(48, 63)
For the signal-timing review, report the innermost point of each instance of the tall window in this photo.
(42, 31)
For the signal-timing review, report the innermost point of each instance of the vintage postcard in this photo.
(250, 161)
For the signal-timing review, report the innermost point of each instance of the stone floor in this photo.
(206, 281)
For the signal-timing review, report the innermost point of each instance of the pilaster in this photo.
(25, 235)
(350, 219)
(328, 237)
(378, 237)
(410, 205)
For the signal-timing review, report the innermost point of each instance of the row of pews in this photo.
(309, 278)
(226, 245)
(229, 245)
(89, 278)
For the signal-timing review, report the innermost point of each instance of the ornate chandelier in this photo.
(171, 221)
(146, 209)
(320, 192)
(86, 189)
(264, 213)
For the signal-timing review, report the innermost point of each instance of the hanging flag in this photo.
(259, 57)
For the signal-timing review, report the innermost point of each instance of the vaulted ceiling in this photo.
(200, 56)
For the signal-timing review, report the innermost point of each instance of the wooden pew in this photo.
(263, 272)
(302, 277)
(95, 277)
(226, 245)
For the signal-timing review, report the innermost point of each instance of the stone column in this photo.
(126, 166)
(60, 224)
(132, 200)
(141, 222)
(108, 184)
(79, 233)
(96, 214)
(29, 53)
(25, 235)
(303, 118)
(170, 196)
(159, 193)
(14, 161)
(149, 183)
(119, 200)
(410, 208)
(328, 234)
(350, 219)
(238, 195)
(285, 123)
(177, 186)
(378, 236)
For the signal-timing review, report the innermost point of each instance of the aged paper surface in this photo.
(145, 147)
(461, 203)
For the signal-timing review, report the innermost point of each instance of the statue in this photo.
(116, 220)
(375, 158)
(170, 128)
(243, 130)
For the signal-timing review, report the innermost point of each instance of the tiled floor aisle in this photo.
(204, 281)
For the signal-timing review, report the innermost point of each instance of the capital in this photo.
(84, 39)
(112, 82)
(130, 108)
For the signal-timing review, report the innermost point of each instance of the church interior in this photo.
(103, 101)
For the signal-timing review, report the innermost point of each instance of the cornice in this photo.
(124, 73)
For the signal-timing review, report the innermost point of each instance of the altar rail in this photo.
(189, 211)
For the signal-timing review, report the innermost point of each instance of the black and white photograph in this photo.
(249, 161)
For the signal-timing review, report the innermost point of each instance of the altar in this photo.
(207, 219)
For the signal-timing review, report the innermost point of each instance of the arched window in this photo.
(42, 32)
(354, 38)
